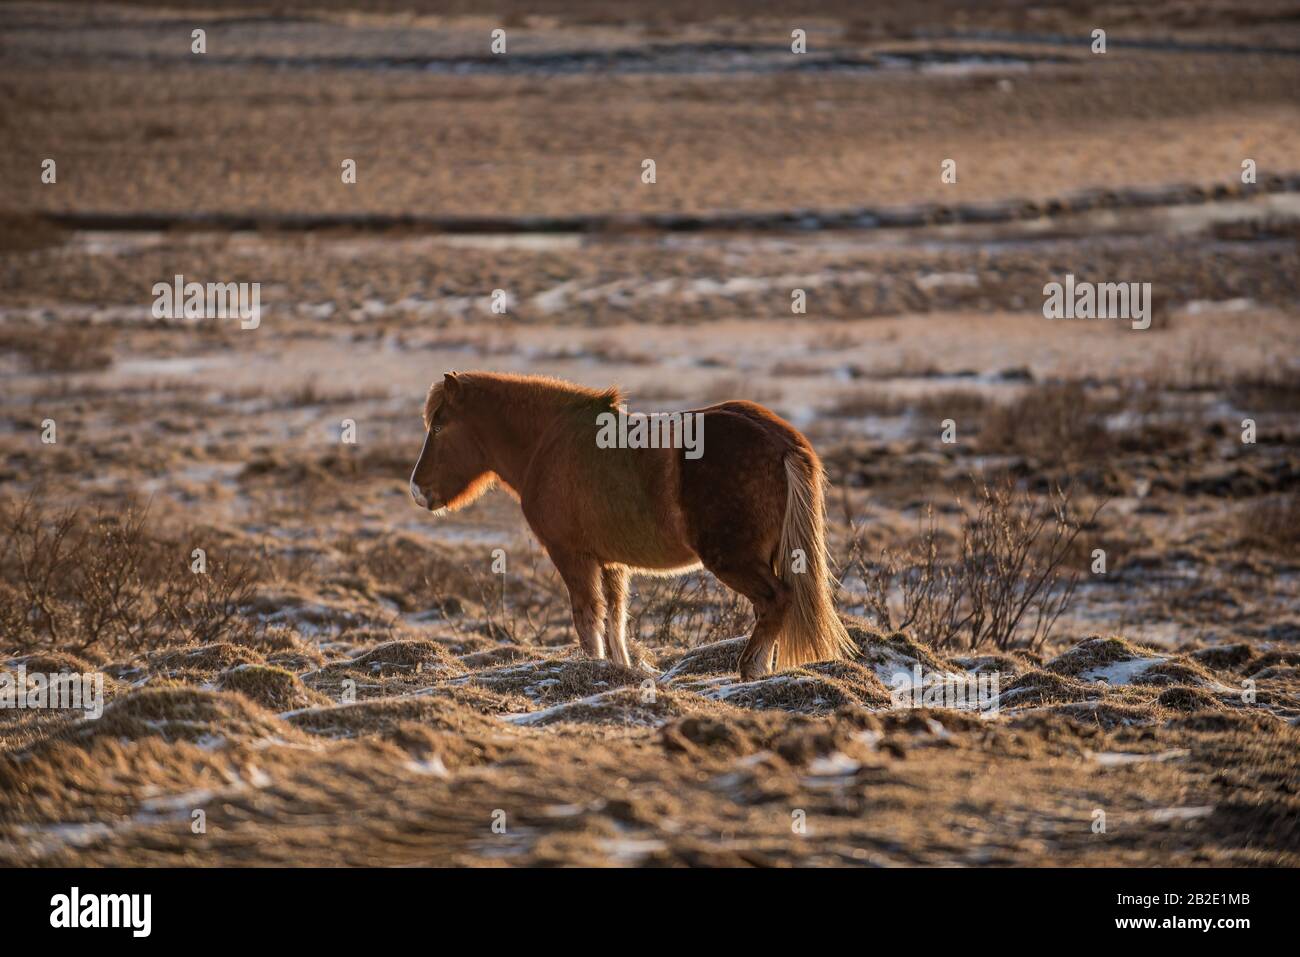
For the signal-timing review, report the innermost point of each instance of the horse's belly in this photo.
(635, 516)
(658, 556)
(621, 505)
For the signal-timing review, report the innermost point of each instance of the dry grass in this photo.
(962, 405)
(101, 582)
(1050, 422)
(1271, 525)
(58, 347)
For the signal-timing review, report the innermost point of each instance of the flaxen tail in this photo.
(812, 632)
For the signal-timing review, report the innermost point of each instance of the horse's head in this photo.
(452, 470)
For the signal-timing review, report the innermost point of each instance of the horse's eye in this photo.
(437, 428)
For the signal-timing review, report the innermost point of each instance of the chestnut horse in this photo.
(749, 509)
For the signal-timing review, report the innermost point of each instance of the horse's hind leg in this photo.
(771, 599)
(582, 576)
(614, 581)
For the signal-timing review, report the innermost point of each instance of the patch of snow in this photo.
(432, 767)
(837, 764)
(1181, 813)
(1120, 758)
(627, 850)
(1120, 672)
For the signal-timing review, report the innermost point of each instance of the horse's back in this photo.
(733, 497)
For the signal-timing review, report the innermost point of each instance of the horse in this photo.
(749, 509)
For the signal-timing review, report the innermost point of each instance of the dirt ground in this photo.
(355, 682)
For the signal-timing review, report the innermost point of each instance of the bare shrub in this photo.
(73, 582)
(687, 609)
(1005, 585)
(1053, 422)
(520, 614)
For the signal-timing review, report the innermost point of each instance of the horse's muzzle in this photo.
(420, 498)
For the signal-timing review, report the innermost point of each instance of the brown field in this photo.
(351, 682)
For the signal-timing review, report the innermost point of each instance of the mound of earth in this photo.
(178, 713)
(273, 688)
(626, 707)
(393, 667)
(1111, 660)
(556, 679)
(382, 716)
(202, 659)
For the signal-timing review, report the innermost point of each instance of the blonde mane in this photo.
(531, 389)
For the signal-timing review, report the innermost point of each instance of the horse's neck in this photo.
(512, 429)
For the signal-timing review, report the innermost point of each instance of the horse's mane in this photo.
(530, 390)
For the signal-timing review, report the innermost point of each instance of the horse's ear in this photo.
(450, 386)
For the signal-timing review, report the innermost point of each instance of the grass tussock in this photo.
(719, 657)
(382, 717)
(1092, 653)
(816, 689)
(272, 688)
(1188, 700)
(1231, 657)
(184, 714)
(405, 656)
(1044, 687)
(625, 707)
(1185, 672)
(557, 679)
(214, 657)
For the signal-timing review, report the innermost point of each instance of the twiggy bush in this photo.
(76, 582)
(1007, 584)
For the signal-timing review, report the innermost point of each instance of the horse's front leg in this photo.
(582, 576)
(614, 579)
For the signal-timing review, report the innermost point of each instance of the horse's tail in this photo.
(812, 630)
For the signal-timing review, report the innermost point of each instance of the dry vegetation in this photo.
(77, 583)
(1004, 582)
